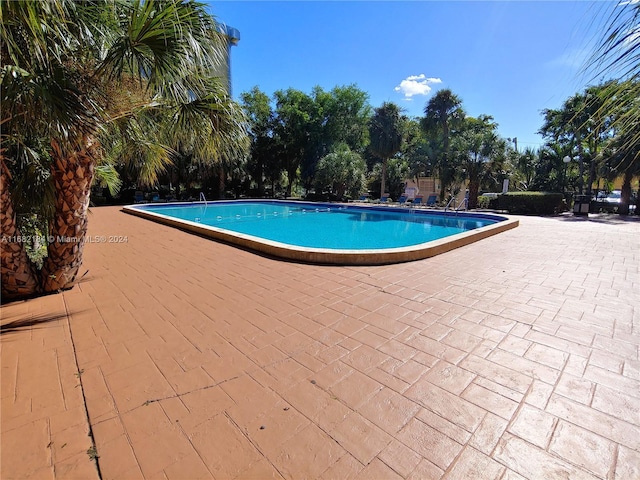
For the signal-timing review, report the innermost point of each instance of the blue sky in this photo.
(507, 59)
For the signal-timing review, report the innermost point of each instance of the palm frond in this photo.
(133, 142)
(161, 40)
(107, 176)
(212, 127)
(619, 47)
(33, 190)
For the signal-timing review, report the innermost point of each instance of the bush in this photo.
(537, 203)
(484, 201)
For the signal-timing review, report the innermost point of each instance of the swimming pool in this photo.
(328, 233)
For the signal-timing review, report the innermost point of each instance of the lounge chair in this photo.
(403, 199)
(417, 202)
(432, 201)
(384, 198)
(363, 198)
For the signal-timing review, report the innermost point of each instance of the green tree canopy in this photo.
(263, 162)
(443, 117)
(385, 135)
(477, 146)
(343, 171)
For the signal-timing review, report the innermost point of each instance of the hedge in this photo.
(537, 203)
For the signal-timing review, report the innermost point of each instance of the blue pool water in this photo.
(330, 226)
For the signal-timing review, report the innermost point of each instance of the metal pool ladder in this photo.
(448, 204)
(463, 204)
(203, 198)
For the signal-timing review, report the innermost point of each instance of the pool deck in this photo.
(513, 357)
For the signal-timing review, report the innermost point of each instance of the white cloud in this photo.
(416, 85)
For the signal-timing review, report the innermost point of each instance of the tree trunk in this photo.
(625, 193)
(592, 176)
(221, 181)
(290, 176)
(260, 179)
(18, 276)
(384, 177)
(72, 174)
(474, 187)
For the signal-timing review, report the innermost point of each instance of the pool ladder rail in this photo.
(202, 199)
(461, 205)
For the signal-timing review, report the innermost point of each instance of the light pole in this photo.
(581, 174)
(566, 160)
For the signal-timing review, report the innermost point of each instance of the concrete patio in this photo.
(182, 358)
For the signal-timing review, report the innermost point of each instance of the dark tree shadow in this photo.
(30, 322)
(603, 218)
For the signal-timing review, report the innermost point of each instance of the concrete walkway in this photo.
(45, 432)
(515, 357)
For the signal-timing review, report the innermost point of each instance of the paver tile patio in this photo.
(514, 357)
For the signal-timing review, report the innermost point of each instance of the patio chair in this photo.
(432, 201)
(384, 199)
(403, 200)
(417, 202)
(363, 198)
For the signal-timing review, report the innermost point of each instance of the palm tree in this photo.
(477, 145)
(525, 167)
(62, 61)
(385, 133)
(618, 52)
(443, 113)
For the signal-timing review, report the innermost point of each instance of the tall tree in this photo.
(525, 167)
(581, 127)
(476, 146)
(339, 116)
(347, 118)
(443, 114)
(293, 114)
(416, 149)
(385, 135)
(257, 107)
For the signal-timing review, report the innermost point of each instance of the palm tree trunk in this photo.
(221, 181)
(291, 172)
(18, 276)
(384, 177)
(72, 175)
(474, 188)
(260, 179)
(625, 194)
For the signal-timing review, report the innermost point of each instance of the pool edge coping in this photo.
(330, 256)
